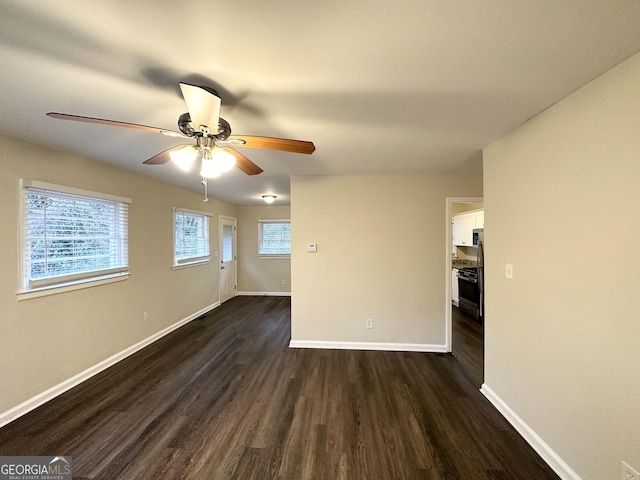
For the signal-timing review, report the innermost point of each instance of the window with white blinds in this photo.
(191, 237)
(71, 236)
(274, 238)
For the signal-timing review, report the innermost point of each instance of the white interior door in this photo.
(228, 258)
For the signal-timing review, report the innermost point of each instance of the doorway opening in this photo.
(464, 326)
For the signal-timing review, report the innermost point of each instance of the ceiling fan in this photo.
(213, 143)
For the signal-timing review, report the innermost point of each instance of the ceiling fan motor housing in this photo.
(186, 127)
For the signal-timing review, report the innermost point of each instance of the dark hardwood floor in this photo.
(468, 344)
(225, 398)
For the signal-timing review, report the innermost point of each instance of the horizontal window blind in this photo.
(274, 237)
(69, 237)
(191, 231)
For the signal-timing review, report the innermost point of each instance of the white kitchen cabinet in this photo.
(454, 287)
(463, 225)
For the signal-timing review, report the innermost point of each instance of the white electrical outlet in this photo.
(369, 323)
(629, 473)
(145, 315)
(284, 282)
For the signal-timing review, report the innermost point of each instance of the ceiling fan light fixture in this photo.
(269, 198)
(184, 157)
(209, 167)
(224, 160)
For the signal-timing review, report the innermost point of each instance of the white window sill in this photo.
(191, 264)
(71, 286)
(274, 257)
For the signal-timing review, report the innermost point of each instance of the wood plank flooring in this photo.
(468, 344)
(225, 398)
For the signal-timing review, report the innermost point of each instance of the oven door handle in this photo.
(470, 280)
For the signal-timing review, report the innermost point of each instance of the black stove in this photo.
(469, 292)
(468, 273)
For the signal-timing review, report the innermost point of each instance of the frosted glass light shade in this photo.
(184, 157)
(223, 159)
(210, 168)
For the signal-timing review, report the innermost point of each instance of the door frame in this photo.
(222, 218)
(448, 233)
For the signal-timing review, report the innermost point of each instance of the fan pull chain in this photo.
(206, 197)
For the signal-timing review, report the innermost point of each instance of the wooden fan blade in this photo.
(269, 143)
(203, 106)
(243, 163)
(113, 123)
(163, 157)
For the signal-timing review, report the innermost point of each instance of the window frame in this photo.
(54, 284)
(261, 222)
(195, 260)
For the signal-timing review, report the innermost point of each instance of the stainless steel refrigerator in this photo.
(481, 274)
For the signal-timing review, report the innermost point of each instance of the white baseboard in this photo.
(548, 454)
(394, 347)
(264, 294)
(40, 399)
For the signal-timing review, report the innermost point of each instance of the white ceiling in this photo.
(378, 86)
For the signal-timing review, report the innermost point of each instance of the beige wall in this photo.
(260, 275)
(47, 340)
(562, 338)
(381, 255)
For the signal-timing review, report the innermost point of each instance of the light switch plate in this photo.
(508, 272)
(312, 247)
